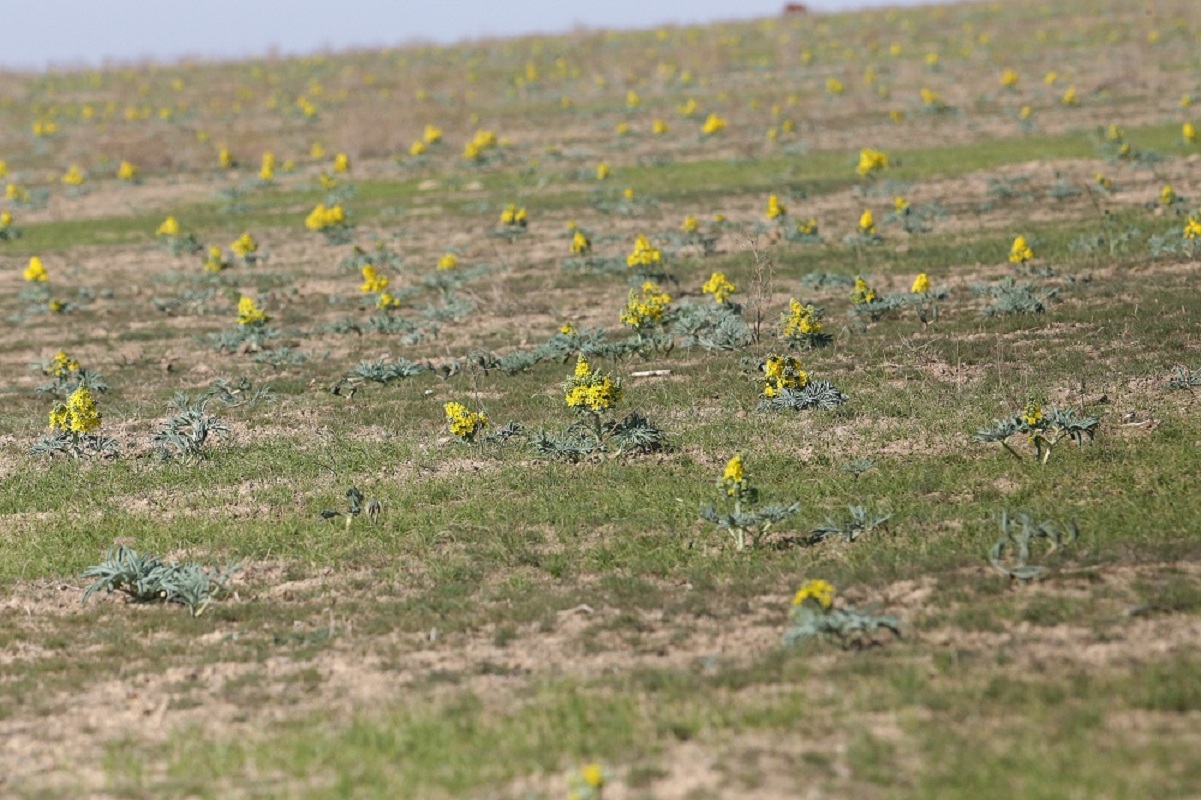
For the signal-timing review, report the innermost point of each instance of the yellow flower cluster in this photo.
(267, 170)
(1188, 132)
(802, 319)
(480, 143)
(62, 364)
(170, 227)
(644, 254)
(1192, 229)
(719, 287)
(249, 313)
(1020, 252)
(245, 245)
(690, 224)
(216, 260)
(580, 245)
(36, 271)
(341, 163)
(463, 423)
(78, 415)
(645, 306)
(448, 261)
(372, 281)
(74, 176)
(589, 391)
(714, 124)
(431, 135)
(807, 227)
(862, 293)
(782, 372)
(775, 209)
(16, 193)
(602, 171)
(225, 158)
(127, 172)
(733, 478)
(819, 591)
(867, 223)
(1009, 78)
(513, 216)
(322, 218)
(871, 162)
(921, 284)
(1167, 195)
(1032, 415)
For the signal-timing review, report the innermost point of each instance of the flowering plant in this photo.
(73, 426)
(801, 325)
(1043, 429)
(814, 615)
(463, 423)
(745, 524)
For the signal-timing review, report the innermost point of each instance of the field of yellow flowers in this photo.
(793, 408)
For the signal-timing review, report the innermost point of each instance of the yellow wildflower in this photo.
(782, 372)
(602, 171)
(862, 293)
(820, 591)
(921, 284)
(1032, 415)
(62, 364)
(834, 86)
(372, 281)
(74, 176)
(463, 423)
(713, 124)
(719, 287)
(1069, 97)
(690, 224)
(341, 163)
(127, 172)
(1192, 229)
(1188, 132)
(645, 306)
(317, 151)
(170, 227)
(249, 313)
(1020, 252)
(659, 127)
(802, 319)
(593, 776)
(644, 254)
(567, 329)
(580, 244)
(1009, 78)
(1167, 195)
(513, 216)
(418, 148)
(321, 218)
(775, 209)
(448, 261)
(867, 223)
(733, 478)
(900, 205)
(225, 158)
(216, 260)
(432, 134)
(930, 97)
(871, 161)
(78, 415)
(245, 245)
(36, 271)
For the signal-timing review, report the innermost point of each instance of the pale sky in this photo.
(90, 32)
